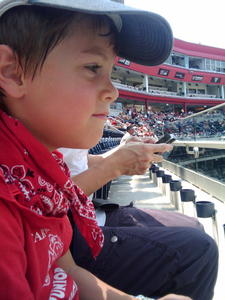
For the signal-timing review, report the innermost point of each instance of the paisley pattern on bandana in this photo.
(42, 180)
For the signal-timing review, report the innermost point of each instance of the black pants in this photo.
(153, 254)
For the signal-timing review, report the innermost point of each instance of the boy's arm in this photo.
(90, 287)
(94, 159)
(128, 159)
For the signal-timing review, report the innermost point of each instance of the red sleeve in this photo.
(13, 263)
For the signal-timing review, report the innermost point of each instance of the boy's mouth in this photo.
(101, 116)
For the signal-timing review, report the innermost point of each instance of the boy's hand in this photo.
(135, 158)
(147, 140)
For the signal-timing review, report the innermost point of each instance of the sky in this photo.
(197, 21)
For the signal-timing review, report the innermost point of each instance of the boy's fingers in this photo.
(160, 148)
(133, 139)
(150, 140)
(156, 158)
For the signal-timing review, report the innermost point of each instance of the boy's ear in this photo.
(11, 75)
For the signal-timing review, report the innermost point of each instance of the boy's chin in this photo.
(87, 142)
(90, 143)
(93, 141)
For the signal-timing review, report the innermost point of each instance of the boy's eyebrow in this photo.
(95, 51)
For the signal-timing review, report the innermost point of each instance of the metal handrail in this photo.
(215, 144)
(203, 112)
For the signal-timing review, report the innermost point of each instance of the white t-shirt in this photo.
(77, 161)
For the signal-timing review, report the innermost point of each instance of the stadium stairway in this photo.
(145, 194)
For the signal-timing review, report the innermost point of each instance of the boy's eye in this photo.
(93, 68)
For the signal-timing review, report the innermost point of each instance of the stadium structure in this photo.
(191, 79)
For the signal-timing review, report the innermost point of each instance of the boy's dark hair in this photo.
(33, 31)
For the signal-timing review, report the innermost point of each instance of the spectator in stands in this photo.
(149, 253)
(111, 127)
(130, 132)
(156, 120)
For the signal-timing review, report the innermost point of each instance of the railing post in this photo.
(166, 179)
(207, 216)
(154, 178)
(187, 197)
(159, 175)
(175, 186)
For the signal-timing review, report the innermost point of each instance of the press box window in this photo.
(197, 78)
(215, 79)
(163, 72)
(179, 75)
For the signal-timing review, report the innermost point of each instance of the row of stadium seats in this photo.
(104, 145)
(113, 133)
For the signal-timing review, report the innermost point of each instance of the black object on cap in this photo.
(160, 173)
(187, 195)
(166, 178)
(155, 169)
(175, 185)
(205, 209)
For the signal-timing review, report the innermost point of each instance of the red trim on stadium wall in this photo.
(189, 75)
(165, 71)
(198, 50)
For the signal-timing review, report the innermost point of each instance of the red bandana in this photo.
(43, 180)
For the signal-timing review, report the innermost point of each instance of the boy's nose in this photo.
(110, 93)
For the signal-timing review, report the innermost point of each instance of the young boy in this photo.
(56, 57)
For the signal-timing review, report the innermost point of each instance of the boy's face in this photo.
(67, 103)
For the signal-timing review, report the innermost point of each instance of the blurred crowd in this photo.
(207, 125)
(156, 123)
(148, 123)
